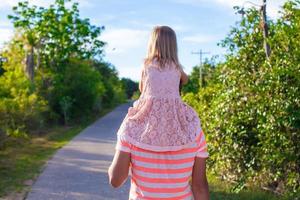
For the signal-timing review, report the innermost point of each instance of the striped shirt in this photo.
(162, 175)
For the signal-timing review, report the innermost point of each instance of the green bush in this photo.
(52, 70)
(251, 111)
(136, 95)
(130, 87)
(21, 109)
(82, 85)
(114, 89)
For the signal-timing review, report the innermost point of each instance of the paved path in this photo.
(79, 169)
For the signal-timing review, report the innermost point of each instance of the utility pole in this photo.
(263, 11)
(200, 53)
(264, 24)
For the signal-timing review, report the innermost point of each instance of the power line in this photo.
(200, 53)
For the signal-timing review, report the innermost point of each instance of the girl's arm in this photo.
(199, 180)
(118, 170)
(141, 86)
(184, 78)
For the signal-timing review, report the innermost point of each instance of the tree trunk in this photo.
(29, 65)
(265, 28)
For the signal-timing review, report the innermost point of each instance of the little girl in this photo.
(160, 139)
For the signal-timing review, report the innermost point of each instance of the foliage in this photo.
(251, 111)
(57, 33)
(66, 104)
(194, 77)
(130, 86)
(21, 108)
(71, 81)
(81, 84)
(136, 95)
(2, 60)
(114, 90)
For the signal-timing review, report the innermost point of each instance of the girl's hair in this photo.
(162, 47)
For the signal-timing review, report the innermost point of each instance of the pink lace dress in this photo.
(159, 120)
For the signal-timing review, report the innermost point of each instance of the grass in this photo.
(23, 159)
(221, 190)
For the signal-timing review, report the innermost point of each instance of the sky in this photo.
(199, 24)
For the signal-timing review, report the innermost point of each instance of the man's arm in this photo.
(118, 170)
(199, 180)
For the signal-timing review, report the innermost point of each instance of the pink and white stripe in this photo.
(162, 175)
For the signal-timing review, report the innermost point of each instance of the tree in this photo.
(61, 55)
(56, 33)
(130, 86)
(114, 89)
(2, 60)
(207, 75)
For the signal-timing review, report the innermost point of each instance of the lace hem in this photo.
(145, 146)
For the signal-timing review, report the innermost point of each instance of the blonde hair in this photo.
(162, 47)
